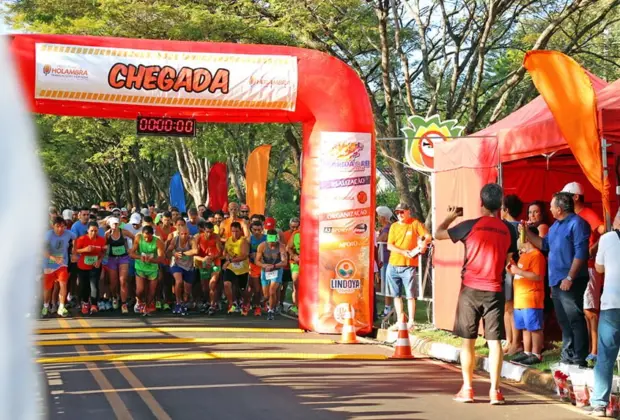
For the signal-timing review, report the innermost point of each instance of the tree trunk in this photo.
(194, 172)
(234, 177)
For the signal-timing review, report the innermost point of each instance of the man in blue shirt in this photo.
(567, 245)
(80, 227)
(192, 223)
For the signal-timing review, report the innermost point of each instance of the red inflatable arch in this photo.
(234, 83)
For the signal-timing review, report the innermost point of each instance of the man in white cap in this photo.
(592, 296)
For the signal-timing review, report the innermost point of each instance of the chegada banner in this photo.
(345, 228)
(422, 135)
(165, 78)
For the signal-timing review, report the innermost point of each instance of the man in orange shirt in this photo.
(233, 209)
(529, 301)
(592, 296)
(407, 238)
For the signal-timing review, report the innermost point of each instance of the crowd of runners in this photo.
(111, 259)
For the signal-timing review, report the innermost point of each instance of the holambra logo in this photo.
(47, 69)
(74, 72)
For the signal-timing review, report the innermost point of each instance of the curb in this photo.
(451, 354)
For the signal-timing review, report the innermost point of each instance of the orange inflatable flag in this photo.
(256, 171)
(571, 99)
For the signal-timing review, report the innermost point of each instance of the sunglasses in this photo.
(399, 212)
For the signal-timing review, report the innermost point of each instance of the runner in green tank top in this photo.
(294, 249)
(148, 251)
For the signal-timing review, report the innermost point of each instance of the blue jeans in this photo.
(608, 346)
(569, 311)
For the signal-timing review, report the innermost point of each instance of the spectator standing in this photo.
(489, 245)
(512, 206)
(592, 296)
(608, 262)
(384, 219)
(406, 239)
(567, 247)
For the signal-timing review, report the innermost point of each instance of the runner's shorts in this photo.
(529, 319)
(474, 305)
(188, 275)
(114, 263)
(149, 275)
(401, 280)
(254, 270)
(592, 296)
(60, 275)
(207, 273)
(294, 268)
(266, 277)
(239, 281)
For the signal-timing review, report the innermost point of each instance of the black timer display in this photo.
(162, 126)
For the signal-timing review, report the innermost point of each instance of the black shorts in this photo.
(476, 304)
(286, 276)
(239, 281)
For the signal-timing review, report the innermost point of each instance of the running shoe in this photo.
(124, 309)
(212, 310)
(101, 305)
(63, 312)
(232, 309)
(496, 397)
(85, 308)
(531, 359)
(465, 395)
(519, 357)
(54, 308)
(595, 411)
(93, 309)
(150, 309)
(166, 307)
(44, 312)
(184, 310)
(245, 310)
(177, 309)
(115, 304)
(136, 307)
(108, 305)
(591, 360)
(293, 309)
(270, 315)
(258, 311)
(158, 305)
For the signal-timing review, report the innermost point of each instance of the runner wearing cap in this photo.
(55, 265)
(117, 264)
(148, 251)
(256, 239)
(208, 247)
(182, 249)
(271, 257)
(225, 226)
(236, 266)
(407, 238)
(293, 248)
(293, 225)
(91, 248)
(592, 296)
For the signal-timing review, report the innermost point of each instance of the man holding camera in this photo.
(489, 244)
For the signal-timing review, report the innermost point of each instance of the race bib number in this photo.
(119, 250)
(90, 259)
(237, 265)
(271, 275)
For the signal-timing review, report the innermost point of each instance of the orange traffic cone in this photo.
(348, 330)
(402, 350)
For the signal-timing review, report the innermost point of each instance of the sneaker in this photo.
(108, 305)
(184, 310)
(44, 312)
(591, 360)
(202, 308)
(124, 309)
(115, 304)
(595, 411)
(270, 315)
(136, 307)
(212, 310)
(232, 309)
(531, 359)
(54, 308)
(158, 305)
(496, 397)
(93, 309)
(517, 358)
(245, 310)
(465, 395)
(258, 311)
(63, 312)
(85, 308)
(150, 309)
(294, 310)
(177, 309)
(166, 307)
(101, 305)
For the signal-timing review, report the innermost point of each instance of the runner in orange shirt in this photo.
(225, 230)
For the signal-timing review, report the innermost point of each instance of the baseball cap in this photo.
(116, 209)
(270, 223)
(124, 210)
(573, 188)
(384, 211)
(113, 220)
(67, 214)
(272, 237)
(135, 219)
(402, 206)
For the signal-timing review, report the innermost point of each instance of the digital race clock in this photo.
(162, 126)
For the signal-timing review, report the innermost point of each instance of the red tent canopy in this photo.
(608, 101)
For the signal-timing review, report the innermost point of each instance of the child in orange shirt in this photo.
(529, 301)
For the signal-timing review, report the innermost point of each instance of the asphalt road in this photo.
(248, 368)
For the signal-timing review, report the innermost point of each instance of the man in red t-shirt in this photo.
(489, 244)
(592, 296)
(90, 248)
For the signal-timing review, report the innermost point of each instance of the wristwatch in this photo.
(569, 278)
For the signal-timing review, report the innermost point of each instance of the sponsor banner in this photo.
(345, 229)
(165, 78)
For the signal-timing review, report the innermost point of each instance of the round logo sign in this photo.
(345, 269)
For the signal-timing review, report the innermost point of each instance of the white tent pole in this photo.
(604, 146)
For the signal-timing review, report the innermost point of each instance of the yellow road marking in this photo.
(101, 341)
(165, 330)
(207, 356)
(118, 406)
(133, 381)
